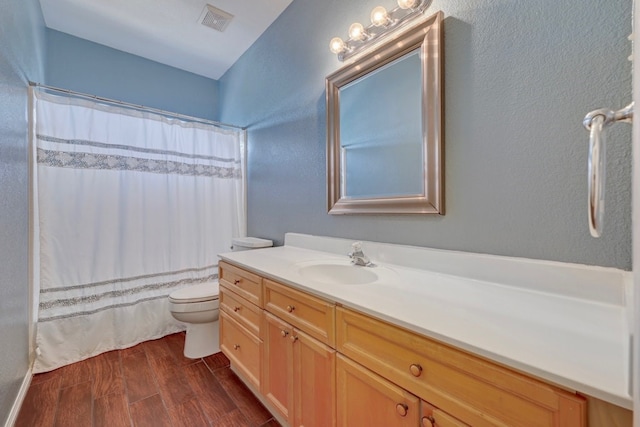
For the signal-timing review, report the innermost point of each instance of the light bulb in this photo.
(407, 4)
(379, 16)
(337, 45)
(357, 32)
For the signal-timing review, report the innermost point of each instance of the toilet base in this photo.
(203, 339)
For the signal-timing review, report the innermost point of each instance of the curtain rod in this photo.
(135, 106)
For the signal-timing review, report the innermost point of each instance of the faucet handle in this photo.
(356, 246)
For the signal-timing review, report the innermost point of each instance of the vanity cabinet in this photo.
(317, 364)
(365, 398)
(299, 369)
(475, 391)
(241, 335)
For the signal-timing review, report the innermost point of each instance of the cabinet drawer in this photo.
(474, 390)
(245, 313)
(312, 315)
(433, 417)
(243, 283)
(242, 348)
(366, 399)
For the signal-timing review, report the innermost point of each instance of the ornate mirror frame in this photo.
(426, 36)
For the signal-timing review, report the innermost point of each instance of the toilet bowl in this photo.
(198, 307)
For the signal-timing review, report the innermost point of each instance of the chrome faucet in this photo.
(358, 257)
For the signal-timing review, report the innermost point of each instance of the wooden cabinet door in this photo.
(367, 399)
(277, 383)
(314, 382)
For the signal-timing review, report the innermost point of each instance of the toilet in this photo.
(198, 307)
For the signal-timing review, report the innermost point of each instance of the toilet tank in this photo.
(246, 243)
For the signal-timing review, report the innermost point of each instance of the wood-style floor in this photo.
(151, 384)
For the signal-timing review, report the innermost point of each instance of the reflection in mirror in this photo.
(384, 145)
(381, 131)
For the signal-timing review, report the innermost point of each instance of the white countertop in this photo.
(575, 335)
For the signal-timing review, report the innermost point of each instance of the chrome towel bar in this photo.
(596, 122)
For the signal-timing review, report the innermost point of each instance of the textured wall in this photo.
(87, 67)
(519, 78)
(21, 59)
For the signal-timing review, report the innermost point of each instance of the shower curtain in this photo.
(130, 206)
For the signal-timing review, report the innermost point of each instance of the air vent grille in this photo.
(215, 18)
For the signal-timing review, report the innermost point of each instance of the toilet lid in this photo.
(196, 293)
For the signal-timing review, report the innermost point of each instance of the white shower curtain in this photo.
(131, 205)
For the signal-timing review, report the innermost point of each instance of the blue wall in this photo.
(22, 44)
(519, 78)
(87, 67)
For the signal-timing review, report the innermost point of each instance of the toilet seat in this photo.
(203, 292)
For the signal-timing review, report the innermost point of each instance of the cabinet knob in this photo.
(294, 338)
(237, 281)
(428, 421)
(415, 369)
(290, 308)
(236, 346)
(402, 409)
(284, 333)
(236, 309)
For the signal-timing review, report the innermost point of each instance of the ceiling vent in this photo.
(215, 18)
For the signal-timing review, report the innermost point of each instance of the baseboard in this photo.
(15, 410)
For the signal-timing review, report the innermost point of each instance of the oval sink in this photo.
(338, 273)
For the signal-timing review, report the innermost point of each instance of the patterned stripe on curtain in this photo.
(131, 206)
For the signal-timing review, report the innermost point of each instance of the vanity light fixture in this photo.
(382, 21)
(380, 17)
(407, 4)
(357, 32)
(337, 45)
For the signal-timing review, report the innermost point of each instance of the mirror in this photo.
(384, 124)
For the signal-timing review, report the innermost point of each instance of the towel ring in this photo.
(596, 122)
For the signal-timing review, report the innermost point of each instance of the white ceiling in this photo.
(166, 31)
